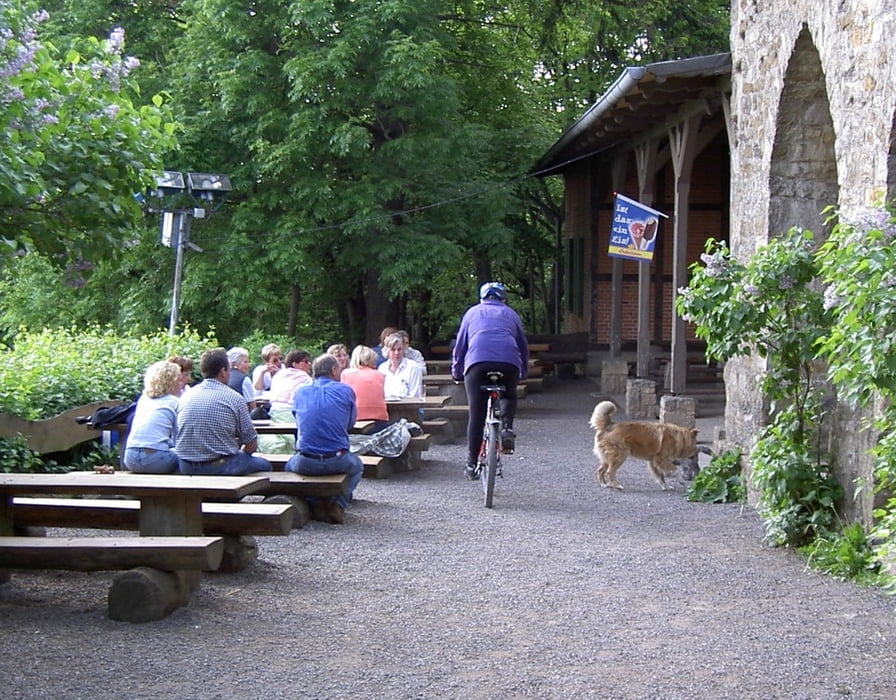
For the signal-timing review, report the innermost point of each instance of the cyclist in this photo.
(490, 338)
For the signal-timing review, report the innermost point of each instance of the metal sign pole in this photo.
(182, 226)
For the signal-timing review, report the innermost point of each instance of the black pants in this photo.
(475, 378)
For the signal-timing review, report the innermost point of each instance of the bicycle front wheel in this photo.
(490, 468)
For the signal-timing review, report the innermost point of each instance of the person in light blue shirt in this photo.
(325, 410)
(150, 446)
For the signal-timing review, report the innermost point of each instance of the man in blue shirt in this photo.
(490, 337)
(325, 411)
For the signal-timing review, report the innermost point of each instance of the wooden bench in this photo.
(112, 553)
(124, 514)
(375, 467)
(444, 367)
(170, 522)
(440, 430)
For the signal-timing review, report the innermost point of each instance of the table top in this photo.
(269, 427)
(137, 485)
(418, 402)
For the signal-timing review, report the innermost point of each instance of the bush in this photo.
(720, 481)
(846, 555)
(53, 370)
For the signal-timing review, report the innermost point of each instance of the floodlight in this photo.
(170, 182)
(207, 185)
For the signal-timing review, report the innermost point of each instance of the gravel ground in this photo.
(563, 590)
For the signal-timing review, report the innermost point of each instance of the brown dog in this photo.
(658, 443)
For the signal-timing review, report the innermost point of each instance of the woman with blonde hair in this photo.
(154, 427)
(368, 385)
(340, 352)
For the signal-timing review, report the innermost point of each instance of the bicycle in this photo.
(489, 464)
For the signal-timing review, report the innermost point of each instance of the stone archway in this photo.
(803, 176)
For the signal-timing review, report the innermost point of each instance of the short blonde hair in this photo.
(389, 342)
(269, 350)
(161, 378)
(363, 356)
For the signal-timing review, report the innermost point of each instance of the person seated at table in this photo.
(295, 374)
(340, 352)
(368, 385)
(154, 426)
(272, 361)
(215, 434)
(413, 354)
(381, 355)
(239, 379)
(403, 377)
(326, 412)
(186, 372)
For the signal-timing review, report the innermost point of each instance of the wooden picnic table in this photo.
(170, 527)
(409, 408)
(269, 427)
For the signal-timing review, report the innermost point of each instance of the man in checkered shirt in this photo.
(215, 434)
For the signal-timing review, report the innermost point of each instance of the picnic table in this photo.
(269, 427)
(409, 408)
(170, 552)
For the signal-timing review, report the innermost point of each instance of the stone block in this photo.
(614, 376)
(678, 410)
(640, 398)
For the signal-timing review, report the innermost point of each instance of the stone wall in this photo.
(813, 112)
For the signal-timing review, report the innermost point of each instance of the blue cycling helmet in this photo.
(493, 290)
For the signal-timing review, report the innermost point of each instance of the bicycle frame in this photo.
(491, 451)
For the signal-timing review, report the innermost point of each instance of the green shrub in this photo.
(16, 457)
(846, 555)
(720, 481)
(50, 371)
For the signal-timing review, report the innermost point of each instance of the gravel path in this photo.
(564, 590)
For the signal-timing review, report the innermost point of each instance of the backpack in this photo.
(106, 417)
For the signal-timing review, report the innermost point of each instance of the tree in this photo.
(78, 147)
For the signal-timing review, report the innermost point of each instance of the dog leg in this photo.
(611, 476)
(658, 469)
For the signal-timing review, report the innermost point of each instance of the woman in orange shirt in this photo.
(368, 384)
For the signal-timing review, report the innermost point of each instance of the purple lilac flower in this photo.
(832, 298)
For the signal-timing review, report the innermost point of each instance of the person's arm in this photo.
(459, 352)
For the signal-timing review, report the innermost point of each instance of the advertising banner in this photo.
(634, 231)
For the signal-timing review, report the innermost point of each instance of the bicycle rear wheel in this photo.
(490, 466)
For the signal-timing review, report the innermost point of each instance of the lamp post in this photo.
(204, 189)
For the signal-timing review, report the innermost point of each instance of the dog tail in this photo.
(602, 416)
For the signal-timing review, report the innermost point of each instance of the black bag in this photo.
(109, 416)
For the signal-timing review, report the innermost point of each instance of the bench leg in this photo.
(239, 552)
(145, 594)
(303, 511)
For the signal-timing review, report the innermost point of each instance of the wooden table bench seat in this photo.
(169, 554)
(124, 514)
(112, 553)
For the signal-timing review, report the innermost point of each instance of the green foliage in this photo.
(798, 492)
(16, 457)
(846, 555)
(818, 315)
(720, 481)
(772, 306)
(50, 371)
(78, 143)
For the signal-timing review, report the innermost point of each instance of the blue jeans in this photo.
(233, 465)
(141, 461)
(347, 463)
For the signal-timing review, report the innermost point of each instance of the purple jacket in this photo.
(490, 332)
